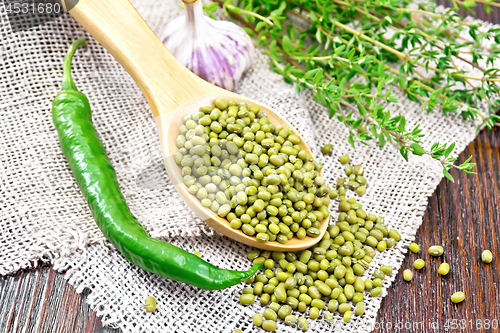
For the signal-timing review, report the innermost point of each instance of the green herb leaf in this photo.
(402, 124)
(286, 43)
(449, 149)
(417, 149)
(341, 51)
(447, 175)
(381, 139)
(351, 141)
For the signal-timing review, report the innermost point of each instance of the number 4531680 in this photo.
(35, 8)
(455, 324)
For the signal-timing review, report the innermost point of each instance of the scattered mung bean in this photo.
(487, 256)
(376, 291)
(359, 309)
(326, 149)
(436, 250)
(444, 268)
(344, 159)
(150, 304)
(269, 325)
(414, 247)
(419, 264)
(247, 299)
(347, 316)
(257, 319)
(407, 275)
(458, 297)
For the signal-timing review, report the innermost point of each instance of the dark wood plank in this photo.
(41, 301)
(464, 219)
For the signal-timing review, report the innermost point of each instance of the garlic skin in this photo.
(217, 51)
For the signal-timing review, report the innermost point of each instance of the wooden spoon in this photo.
(172, 91)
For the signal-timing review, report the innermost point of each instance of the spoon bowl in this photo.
(172, 92)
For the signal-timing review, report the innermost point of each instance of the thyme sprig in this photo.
(353, 54)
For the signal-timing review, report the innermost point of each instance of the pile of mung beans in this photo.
(324, 278)
(253, 173)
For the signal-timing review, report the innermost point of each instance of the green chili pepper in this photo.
(96, 178)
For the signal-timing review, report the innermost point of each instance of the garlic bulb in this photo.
(218, 51)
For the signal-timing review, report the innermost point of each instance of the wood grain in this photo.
(41, 301)
(463, 217)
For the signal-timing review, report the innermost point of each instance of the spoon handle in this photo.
(117, 26)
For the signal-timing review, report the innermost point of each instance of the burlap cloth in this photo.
(43, 216)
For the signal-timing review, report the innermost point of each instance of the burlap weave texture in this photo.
(43, 215)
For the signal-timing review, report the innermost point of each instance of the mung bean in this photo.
(247, 299)
(326, 149)
(444, 268)
(344, 307)
(436, 250)
(284, 311)
(269, 325)
(407, 275)
(150, 304)
(314, 313)
(359, 309)
(290, 320)
(419, 264)
(376, 291)
(302, 323)
(257, 319)
(386, 269)
(270, 314)
(344, 159)
(377, 282)
(458, 297)
(487, 256)
(414, 247)
(379, 274)
(347, 316)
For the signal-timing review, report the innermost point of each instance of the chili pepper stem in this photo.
(67, 81)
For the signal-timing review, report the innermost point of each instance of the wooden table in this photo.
(464, 217)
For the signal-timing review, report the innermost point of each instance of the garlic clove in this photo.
(218, 51)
